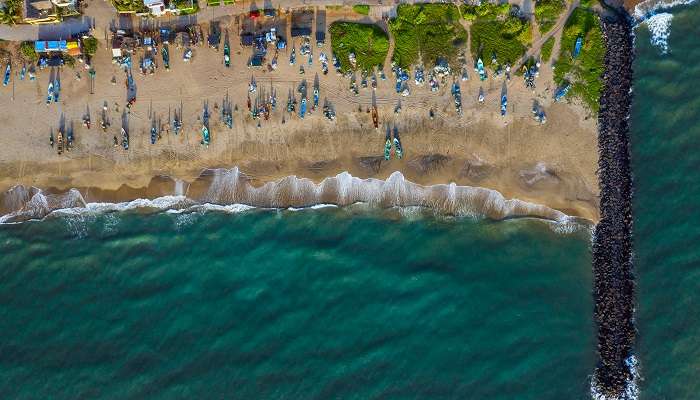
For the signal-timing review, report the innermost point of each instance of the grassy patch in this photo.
(426, 31)
(583, 72)
(129, 6)
(496, 31)
(547, 12)
(361, 9)
(547, 48)
(186, 7)
(369, 43)
(27, 50)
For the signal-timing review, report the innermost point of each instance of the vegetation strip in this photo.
(425, 32)
(368, 42)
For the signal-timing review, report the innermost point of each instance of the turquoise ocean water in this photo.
(666, 157)
(313, 304)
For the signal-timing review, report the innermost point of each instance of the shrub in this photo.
(369, 43)
(496, 29)
(547, 13)
(361, 9)
(585, 71)
(90, 45)
(427, 31)
(547, 48)
(27, 50)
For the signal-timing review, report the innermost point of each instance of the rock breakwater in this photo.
(615, 375)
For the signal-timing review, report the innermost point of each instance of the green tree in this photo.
(90, 45)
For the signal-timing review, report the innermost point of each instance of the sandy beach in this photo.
(552, 164)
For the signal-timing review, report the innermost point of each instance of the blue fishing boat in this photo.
(49, 96)
(504, 104)
(154, 135)
(22, 73)
(56, 90)
(562, 91)
(577, 47)
(7, 76)
(302, 109)
(315, 97)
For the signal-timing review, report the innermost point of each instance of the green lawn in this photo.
(129, 6)
(547, 48)
(495, 31)
(426, 32)
(584, 72)
(187, 7)
(369, 43)
(547, 12)
(361, 9)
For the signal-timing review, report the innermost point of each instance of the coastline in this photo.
(230, 187)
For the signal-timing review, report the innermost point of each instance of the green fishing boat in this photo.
(387, 149)
(227, 55)
(205, 135)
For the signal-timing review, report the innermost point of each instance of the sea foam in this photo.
(230, 191)
(660, 28)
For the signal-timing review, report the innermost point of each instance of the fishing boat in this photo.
(504, 104)
(375, 117)
(49, 96)
(302, 108)
(177, 125)
(22, 73)
(51, 142)
(562, 91)
(397, 143)
(227, 55)
(293, 56)
(387, 145)
(56, 90)
(154, 135)
(205, 135)
(166, 57)
(577, 47)
(69, 139)
(59, 138)
(480, 68)
(187, 56)
(315, 97)
(7, 76)
(86, 121)
(125, 139)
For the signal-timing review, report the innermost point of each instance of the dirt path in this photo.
(537, 44)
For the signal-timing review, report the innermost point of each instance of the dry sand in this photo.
(552, 164)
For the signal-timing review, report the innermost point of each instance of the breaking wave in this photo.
(631, 391)
(660, 27)
(229, 190)
(650, 12)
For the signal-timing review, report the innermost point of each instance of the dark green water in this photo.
(317, 304)
(666, 156)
